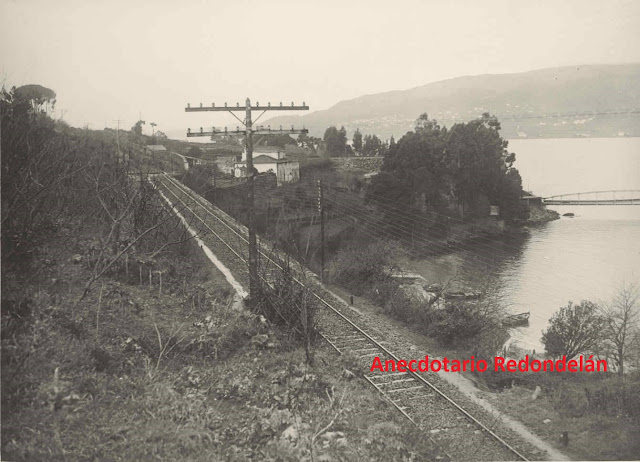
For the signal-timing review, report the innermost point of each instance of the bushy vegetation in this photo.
(573, 329)
(284, 302)
(118, 345)
(608, 330)
(463, 169)
(469, 325)
(364, 269)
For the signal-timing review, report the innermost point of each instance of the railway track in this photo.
(462, 432)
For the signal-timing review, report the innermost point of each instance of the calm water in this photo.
(585, 257)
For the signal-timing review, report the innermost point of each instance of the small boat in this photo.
(569, 214)
(463, 295)
(515, 320)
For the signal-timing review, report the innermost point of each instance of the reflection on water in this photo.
(579, 258)
(585, 257)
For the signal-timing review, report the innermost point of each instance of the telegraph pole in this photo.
(321, 211)
(253, 245)
(248, 134)
(118, 140)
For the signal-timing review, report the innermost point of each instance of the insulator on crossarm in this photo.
(225, 104)
(188, 105)
(200, 104)
(280, 103)
(292, 128)
(303, 104)
(280, 127)
(200, 129)
(188, 130)
(237, 104)
(257, 104)
(269, 104)
(213, 104)
(291, 103)
(269, 127)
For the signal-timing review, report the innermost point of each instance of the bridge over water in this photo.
(612, 197)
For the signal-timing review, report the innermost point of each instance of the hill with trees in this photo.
(590, 100)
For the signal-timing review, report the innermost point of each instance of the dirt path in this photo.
(240, 292)
(467, 387)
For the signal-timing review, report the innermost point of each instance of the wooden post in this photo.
(321, 211)
(253, 244)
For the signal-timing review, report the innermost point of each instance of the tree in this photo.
(303, 140)
(476, 155)
(38, 165)
(372, 145)
(37, 95)
(508, 195)
(336, 141)
(621, 323)
(137, 128)
(194, 151)
(466, 167)
(390, 189)
(276, 140)
(357, 142)
(417, 160)
(383, 149)
(573, 329)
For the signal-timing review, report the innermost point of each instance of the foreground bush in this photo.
(365, 269)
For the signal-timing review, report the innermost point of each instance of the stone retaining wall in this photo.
(365, 164)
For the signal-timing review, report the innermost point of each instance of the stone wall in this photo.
(363, 164)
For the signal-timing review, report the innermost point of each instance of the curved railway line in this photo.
(461, 431)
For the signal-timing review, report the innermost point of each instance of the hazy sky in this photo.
(114, 59)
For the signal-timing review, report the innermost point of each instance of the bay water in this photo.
(585, 257)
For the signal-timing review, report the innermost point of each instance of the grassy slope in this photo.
(219, 391)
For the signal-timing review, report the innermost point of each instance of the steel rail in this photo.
(362, 332)
(243, 260)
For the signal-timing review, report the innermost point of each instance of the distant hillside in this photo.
(594, 101)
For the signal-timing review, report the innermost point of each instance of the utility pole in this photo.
(248, 137)
(153, 128)
(118, 138)
(321, 211)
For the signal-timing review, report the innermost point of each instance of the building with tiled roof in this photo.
(270, 159)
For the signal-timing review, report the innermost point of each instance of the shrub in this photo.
(224, 334)
(399, 305)
(364, 269)
(615, 397)
(284, 302)
(457, 323)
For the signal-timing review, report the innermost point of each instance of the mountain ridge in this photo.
(563, 101)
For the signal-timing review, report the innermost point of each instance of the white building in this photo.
(270, 159)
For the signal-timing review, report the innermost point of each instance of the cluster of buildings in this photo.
(266, 159)
(269, 159)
